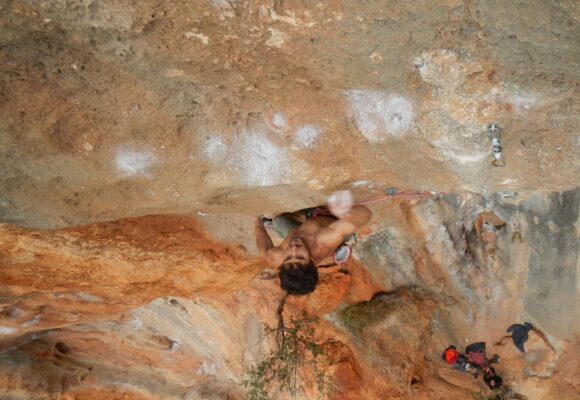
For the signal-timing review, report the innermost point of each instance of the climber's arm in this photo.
(264, 244)
(357, 217)
(333, 235)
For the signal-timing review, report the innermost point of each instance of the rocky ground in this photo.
(139, 139)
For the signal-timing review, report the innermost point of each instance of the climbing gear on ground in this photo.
(451, 355)
(493, 381)
(476, 356)
(520, 334)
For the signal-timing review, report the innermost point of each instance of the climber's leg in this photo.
(284, 224)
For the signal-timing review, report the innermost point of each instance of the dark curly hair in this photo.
(297, 279)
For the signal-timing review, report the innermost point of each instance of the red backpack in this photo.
(451, 356)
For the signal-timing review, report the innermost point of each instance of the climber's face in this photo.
(297, 252)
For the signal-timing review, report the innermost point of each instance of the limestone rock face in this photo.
(138, 140)
(153, 308)
(113, 109)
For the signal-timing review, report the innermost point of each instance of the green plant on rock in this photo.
(503, 393)
(279, 370)
(359, 316)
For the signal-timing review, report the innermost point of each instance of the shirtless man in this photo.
(306, 245)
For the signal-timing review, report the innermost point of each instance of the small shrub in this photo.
(278, 371)
(503, 393)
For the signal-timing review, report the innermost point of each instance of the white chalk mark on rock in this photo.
(522, 101)
(204, 39)
(257, 160)
(379, 114)
(132, 162)
(277, 38)
(215, 149)
(136, 323)
(88, 297)
(207, 368)
(35, 320)
(6, 330)
(306, 135)
(359, 183)
(279, 120)
(261, 161)
(451, 153)
(290, 18)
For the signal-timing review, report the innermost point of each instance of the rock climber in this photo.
(307, 244)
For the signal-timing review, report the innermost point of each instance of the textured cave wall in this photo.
(229, 109)
(110, 109)
(482, 280)
(550, 234)
(430, 273)
(533, 261)
(173, 348)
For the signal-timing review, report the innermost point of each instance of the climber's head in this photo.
(296, 253)
(298, 279)
(298, 274)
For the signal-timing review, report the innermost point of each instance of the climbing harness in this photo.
(318, 212)
(494, 134)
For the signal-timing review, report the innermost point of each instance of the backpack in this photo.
(450, 355)
(476, 355)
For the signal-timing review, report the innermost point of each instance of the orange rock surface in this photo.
(152, 307)
(139, 139)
